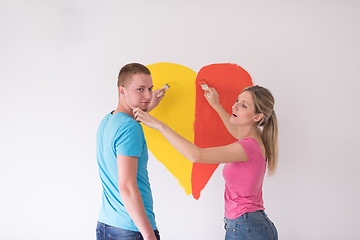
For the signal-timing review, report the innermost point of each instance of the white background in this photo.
(59, 62)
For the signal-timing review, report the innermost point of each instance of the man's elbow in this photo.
(126, 188)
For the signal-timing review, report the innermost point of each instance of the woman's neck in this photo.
(249, 131)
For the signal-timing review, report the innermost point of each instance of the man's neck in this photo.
(125, 109)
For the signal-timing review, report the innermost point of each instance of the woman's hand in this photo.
(146, 118)
(212, 97)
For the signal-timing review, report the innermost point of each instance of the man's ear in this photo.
(121, 90)
(258, 117)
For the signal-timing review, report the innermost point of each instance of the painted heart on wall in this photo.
(185, 109)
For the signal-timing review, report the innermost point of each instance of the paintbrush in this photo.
(204, 87)
(166, 87)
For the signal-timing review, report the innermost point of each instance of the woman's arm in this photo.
(212, 97)
(230, 153)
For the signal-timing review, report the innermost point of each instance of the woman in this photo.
(245, 160)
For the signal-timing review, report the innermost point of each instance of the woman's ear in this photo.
(258, 117)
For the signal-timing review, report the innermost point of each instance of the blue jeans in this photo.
(106, 232)
(254, 226)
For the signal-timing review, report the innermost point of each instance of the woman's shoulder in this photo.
(252, 144)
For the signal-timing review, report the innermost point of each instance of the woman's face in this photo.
(243, 111)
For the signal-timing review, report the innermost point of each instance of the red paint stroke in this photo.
(228, 80)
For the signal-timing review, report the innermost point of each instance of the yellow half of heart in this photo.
(177, 110)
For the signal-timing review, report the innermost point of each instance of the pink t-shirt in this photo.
(244, 180)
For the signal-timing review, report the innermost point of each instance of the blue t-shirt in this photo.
(120, 134)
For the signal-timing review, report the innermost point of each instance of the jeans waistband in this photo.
(256, 214)
(104, 226)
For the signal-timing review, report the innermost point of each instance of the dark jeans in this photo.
(254, 225)
(106, 232)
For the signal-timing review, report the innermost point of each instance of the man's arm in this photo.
(130, 194)
(155, 100)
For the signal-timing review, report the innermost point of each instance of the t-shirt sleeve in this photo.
(129, 140)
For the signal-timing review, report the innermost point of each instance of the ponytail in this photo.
(270, 139)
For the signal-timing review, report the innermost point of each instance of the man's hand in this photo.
(155, 100)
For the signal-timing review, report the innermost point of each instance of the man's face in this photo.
(138, 92)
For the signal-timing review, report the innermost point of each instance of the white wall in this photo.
(59, 62)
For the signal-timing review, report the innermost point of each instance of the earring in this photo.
(261, 121)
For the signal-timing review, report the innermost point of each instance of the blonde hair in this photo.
(264, 103)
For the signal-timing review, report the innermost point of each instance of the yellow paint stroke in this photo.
(177, 110)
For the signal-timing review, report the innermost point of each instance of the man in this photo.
(127, 204)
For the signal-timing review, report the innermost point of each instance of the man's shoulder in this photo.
(125, 120)
(125, 123)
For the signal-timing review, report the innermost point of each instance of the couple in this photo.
(122, 155)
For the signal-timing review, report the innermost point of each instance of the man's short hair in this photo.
(130, 69)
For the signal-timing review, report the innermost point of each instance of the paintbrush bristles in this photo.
(203, 85)
(166, 86)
